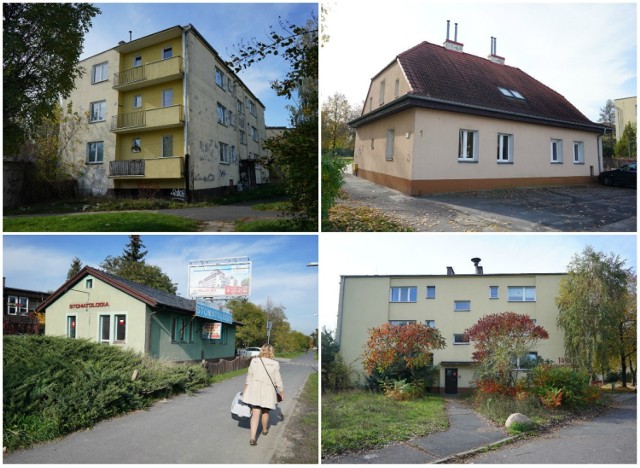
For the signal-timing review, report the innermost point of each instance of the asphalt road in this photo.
(185, 429)
(608, 438)
(589, 208)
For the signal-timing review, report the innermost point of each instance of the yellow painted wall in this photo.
(151, 96)
(152, 53)
(150, 143)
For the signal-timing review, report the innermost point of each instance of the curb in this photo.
(475, 450)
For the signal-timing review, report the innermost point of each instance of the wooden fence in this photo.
(223, 366)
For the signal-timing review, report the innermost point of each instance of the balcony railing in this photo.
(161, 117)
(153, 168)
(133, 167)
(150, 73)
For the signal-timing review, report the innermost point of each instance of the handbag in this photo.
(239, 408)
(278, 396)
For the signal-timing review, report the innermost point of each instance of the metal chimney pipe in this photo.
(448, 21)
(130, 36)
(456, 33)
(495, 46)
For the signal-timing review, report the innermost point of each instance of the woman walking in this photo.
(259, 392)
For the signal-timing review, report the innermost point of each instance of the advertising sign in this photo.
(212, 331)
(206, 310)
(220, 279)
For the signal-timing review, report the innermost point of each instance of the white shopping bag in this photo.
(238, 408)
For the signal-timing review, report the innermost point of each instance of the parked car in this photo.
(249, 352)
(624, 175)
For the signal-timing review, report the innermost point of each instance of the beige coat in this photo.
(260, 391)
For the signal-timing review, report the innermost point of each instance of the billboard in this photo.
(220, 279)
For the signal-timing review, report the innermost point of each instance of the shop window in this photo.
(121, 328)
(105, 328)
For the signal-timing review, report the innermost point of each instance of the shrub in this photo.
(563, 386)
(401, 390)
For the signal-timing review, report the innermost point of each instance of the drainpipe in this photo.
(148, 346)
(185, 101)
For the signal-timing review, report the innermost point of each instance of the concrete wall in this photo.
(364, 304)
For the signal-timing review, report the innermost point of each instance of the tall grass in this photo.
(53, 385)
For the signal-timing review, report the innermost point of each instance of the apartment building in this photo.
(626, 112)
(165, 113)
(451, 303)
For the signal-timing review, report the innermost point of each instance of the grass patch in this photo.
(276, 225)
(228, 375)
(344, 218)
(54, 386)
(101, 222)
(360, 420)
(290, 355)
(302, 429)
(272, 206)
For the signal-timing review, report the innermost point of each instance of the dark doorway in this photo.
(451, 381)
(248, 174)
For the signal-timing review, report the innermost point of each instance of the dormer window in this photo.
(511, 93)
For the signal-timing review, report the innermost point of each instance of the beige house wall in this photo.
(390, 76)
(365, 304)
(94, 178)
(626, 111)
(88, 318)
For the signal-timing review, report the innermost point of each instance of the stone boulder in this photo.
(517, 418)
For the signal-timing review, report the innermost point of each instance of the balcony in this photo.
(150, 119)
(148, 74)
(156, 168)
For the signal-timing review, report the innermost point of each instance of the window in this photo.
(468, 145)
(105, 328)
(137, 102)
(220, 78)
(17, 305)
(430, 323)
(181, 330)
(505, 148)
(431, 292)
(382, 92)
(243, 137)
(396, 89)
(222, 114)
(493, 292)
(167, 53)
(167, 98)
(239, 106)
(522, 293)
(88, 283)
(100, 72)
(121, 328)
(136, 145)
(403, 294)
(372, 144)
(137, 61)
(460, 338)
(230, 119)
(461, 306)
(167, 146)
(224, 153)
(253, 132)
(71, 326)
(390, 140)
(95, 152)
(251, 106)
(370, 104)
(578, 152)
(510, 93)
(401, 322)
(556, 151)
(97, 111)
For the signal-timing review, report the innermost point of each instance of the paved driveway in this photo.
(590, 208)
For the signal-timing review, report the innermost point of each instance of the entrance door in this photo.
(451, 381)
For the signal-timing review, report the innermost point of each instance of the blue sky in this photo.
(223, 25)
(431, 254)
(584, 51)
(279, 263)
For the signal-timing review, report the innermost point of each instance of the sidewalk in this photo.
(466, 431)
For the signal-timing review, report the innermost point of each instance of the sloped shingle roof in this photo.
(450, 80)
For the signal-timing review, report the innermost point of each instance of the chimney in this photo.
(479, 269)
(493, 56)
(453, 44)
(130, 35)
(450, 271)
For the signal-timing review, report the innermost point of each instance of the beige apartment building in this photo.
(626, 112)
(437, 119)
(165, 113)
(451, 303)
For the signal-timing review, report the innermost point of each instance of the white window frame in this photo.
(220, 78)
(137, 61)
(12, 305)
(382, 86)
(433, 290)
(253, 132)
(555, 157)
(95, 152)
(167, 95)
(578, 152)
(166, 138)
(430, 323)
(491, 292)
(100, 72)
(522, 296)
(462, 305)
(462, 343)
(391, 136)
(101, 329)
(113, 328)
(221, 111)
(88, 283)
(463, 145)
(502, 138)
(401, 322)
(396, 88)
(164, 52)
(403, 294)
(75, 329)
(100, 115)
(239, 106)
(224, 153)
(137, 101)
(136, 145)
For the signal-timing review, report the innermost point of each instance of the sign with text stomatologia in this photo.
(207, 311)
(220, 279)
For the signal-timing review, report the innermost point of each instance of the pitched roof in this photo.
(450, 80)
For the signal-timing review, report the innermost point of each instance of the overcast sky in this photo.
(279, 264)
(223, 25)
(586, 52)
(431, 254)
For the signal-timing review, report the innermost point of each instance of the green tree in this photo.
(254, 320)
(337, 136)
(591, 304)
(74, 269)
(133, 252)
(42, 45)
(608, 117)
(626, 145)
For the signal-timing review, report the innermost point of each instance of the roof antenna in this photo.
(130, 36)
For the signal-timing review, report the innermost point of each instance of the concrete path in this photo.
(185, 429)
(467, 431)
(608, 438)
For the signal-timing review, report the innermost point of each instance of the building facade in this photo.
(437, 119)
(451, 303)
(107, 309)
(19, 315)
(626, 112)
(165, 113)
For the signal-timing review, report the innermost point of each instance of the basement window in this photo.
(511, 93)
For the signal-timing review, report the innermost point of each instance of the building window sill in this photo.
(468, 161)
(505, 162)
